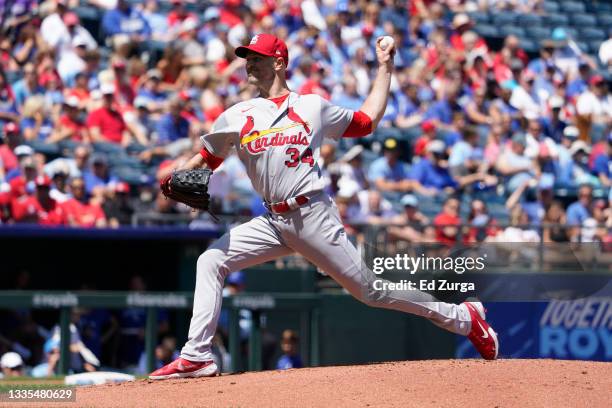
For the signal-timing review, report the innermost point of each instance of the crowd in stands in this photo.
(100, 99)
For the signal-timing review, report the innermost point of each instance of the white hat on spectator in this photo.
(461, 19)
(556, 102)
(11, 360)
(189, 24)
(79, 41)
(409, 200)
(353, 152)
(72, 101)
(236, 36)
(571, 132)
(107, 89)
(348, 187)
(578, 146)
(140, 102)
(23, 150)
(436, 146)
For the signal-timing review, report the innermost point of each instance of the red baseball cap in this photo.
(596, 80)
(122, 187)
(265, 44)
(428, 126)
(42, 181)
(11, 127)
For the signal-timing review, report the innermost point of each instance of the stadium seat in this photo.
(504, 19)
(605, 20)
(480, 17)
(590, 34)
(530, 20)
(603, 7)
(537, 33)
(512, 30)
(529, 46)
(556, 20)
(551, 6)
(583, 20)
(594, 46)
(487, 30)
(571, 7)
(584, 47)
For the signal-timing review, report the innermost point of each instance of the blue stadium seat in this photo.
(529, 45)
(538, 33)
(590, 34)
(487, 30)
(91, 19)
(504, 19)
(480, 17)
(530, 20)
(512, 30)
(583, 20)
(571, 7)
(605, 20)
(603, 7)
(556, 20)
(584, 46)
(551, 6)
(594, 46)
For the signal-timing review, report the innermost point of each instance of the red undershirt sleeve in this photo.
(211, 160)
(361, 125)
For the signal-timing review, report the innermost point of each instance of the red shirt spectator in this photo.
(40, 208)
(106, 123)
(85, 215)
(447, 222)
(77, 129)
(429, 134)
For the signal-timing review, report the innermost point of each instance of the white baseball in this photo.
(386, 41)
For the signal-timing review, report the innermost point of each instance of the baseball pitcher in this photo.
(278, 136)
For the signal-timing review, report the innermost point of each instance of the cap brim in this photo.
(244, 49)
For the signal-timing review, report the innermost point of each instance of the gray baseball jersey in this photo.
(279, 146)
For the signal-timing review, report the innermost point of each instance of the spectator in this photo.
(410, 226)
(579, 211)
(553, 230)
(71, 46)
(514, 164)
(447, 222)
(388, 173)
(430, 174)
(36, 124)
(554, 124)
(125, 24)
(524, 98)
(98, 177)
(373, 208)
(106, 123)
(70, 125)
(173, 127)
(482, 225)
(156, 20)
(40, 208)
(12, 365)
(429, 134)
(151, 93)
(605, 51)
(10, 140)
(351, 168)
(118, 209)
(27, 86)
(21, 180)
(595, 105)
(603, 165)
(290, 347)
(82, 210)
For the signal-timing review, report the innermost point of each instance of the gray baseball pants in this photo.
(314, 231)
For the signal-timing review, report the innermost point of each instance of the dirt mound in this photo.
(439, 383)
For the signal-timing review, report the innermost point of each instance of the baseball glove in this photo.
(189, 187)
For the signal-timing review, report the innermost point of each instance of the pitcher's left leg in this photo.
(320, 238)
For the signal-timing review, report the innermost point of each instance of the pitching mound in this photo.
(439, 383)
